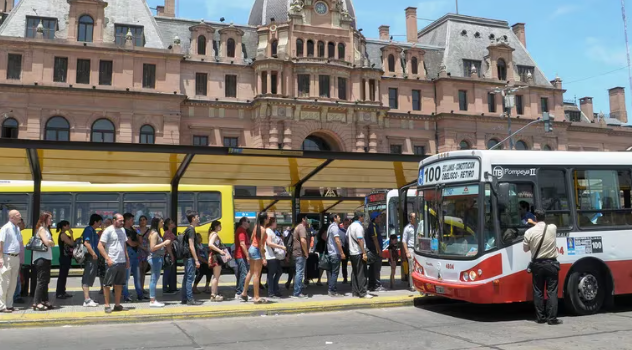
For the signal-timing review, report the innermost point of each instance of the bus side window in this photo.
(150, 205)
(88, 203)
(554, 196)
(514, 204)
(209, 206)
(603, 198)
(58, 204)
(186, 202)
(10, 201)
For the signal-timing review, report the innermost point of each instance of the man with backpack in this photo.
(189, 258)
(90, 241)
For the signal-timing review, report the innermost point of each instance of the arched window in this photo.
(341, 51)
(331, 50)
(230, 47)
(521, 146)
(299, 47)
(86, 28)
(321, 49)
(414, 65)
(310, 48)
(57, 129)
(391, 63)
(464, 145)
(547, 148)
(102, 131)
(274, 47)
(315, 143)
(10, 129)
(201, 41)
(502, 69)
(493, 142)
(147, 134)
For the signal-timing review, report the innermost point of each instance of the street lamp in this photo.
(508, 93)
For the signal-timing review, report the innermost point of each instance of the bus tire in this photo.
(586, 290)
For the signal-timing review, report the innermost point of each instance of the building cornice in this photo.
(80, 90)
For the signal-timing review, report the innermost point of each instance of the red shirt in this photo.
(241, 236)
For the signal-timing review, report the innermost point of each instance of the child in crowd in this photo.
(393, 257)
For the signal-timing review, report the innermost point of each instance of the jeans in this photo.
(156, 267)
(43, 278)
(187, 280)
(545, 273)
(374, 274)
(358, 276)
(274, 275)
(133, 270)
(300, 273)
(169, 278)
(332, 278)
(344, 262)
(64, 268)
(240, 274)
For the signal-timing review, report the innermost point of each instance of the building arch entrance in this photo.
(320, 141)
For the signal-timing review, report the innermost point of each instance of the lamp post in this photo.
(508, 93)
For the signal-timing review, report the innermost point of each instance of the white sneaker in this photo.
(156, 304)
(90, 303)
(368, 296)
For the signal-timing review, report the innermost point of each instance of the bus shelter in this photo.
(107, 163)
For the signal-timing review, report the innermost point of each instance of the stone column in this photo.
(125, 128)
(372, 139)
(360, 139)
(269, 82)
(273, 140)
(367, 95)
(287, 134)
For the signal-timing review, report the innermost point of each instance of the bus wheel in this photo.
(586, 290)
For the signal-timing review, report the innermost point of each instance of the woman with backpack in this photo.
(275, 253)
(66, 246)
(256, 253)
(217, 255)
(157, 249)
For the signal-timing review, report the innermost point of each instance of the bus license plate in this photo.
(440, 290)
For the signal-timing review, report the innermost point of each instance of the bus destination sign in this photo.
(449, 171)
(376, 197)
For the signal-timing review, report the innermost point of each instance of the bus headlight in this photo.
(473, 275)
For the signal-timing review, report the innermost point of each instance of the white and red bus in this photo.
(472, 206)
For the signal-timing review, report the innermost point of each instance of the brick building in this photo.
(299, 74)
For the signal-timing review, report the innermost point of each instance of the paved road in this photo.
(434, 324)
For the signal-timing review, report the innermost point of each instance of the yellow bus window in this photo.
(150, 205)
(59, 205)
(186, 202)
(104, 204)
(18, 202)
(209, 206)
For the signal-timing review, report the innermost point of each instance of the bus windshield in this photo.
(451, 220)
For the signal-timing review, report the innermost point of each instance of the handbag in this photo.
(36, 244)
(537, 251)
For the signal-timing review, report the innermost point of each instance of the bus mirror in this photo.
(503, 192)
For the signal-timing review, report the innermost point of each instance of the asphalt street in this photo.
(433, 324)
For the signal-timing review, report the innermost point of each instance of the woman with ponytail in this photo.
(256, 253)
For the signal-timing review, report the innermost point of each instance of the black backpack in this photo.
(180, 246)
(289, 242)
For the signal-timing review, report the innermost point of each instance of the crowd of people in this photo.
(114, 250)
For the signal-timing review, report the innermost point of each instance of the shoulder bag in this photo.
(537, 251)
(323, 261)
(36, 244)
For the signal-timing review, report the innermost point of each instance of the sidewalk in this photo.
(71, 312)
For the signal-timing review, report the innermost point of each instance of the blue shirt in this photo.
(90, 235)
(374, 231)
(526, 217)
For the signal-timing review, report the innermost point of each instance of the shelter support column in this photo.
(36, 173)
(175, 182)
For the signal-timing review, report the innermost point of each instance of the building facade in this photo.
(299, 75)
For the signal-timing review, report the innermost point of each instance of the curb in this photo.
(179, 313)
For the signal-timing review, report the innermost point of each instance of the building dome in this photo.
(263, 10)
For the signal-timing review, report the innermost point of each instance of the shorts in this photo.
(255, 253)
(89, 271)
(115, 275)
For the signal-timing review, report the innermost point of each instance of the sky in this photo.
(581, 41)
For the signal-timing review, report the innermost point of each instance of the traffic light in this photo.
(548, 122)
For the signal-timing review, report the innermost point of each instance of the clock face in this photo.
(321, 8)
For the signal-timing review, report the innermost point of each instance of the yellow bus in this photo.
(75, 202)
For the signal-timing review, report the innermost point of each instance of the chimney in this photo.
(519, 30)
(617, 104)
(170, 8)
(586, 105)
(160, 10)
(411, 24)
(6, 6)
(385, 33)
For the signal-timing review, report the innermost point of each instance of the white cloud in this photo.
(564, 10)
(601, 51)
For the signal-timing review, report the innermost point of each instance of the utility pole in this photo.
(457, 7)
(508, 93)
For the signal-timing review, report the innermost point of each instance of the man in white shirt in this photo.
(408, 247)
(10, 241)
(358, 257)
(545, 268)
(113, 249)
